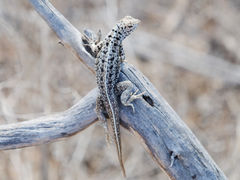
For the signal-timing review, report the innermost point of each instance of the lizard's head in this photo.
(128, 24)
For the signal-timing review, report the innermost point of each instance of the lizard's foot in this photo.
(127, 96)
(92, 41)
(99, 37)
(133, 96)
(91, 36)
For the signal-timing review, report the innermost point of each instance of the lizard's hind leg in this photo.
(102, 118)
(125, 88)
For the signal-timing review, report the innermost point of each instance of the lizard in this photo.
(109, 55)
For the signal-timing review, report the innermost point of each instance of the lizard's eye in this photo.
(129, 27)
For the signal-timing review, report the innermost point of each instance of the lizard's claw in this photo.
(134, 96)
(133, 109)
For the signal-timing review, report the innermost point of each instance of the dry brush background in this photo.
(38, 76)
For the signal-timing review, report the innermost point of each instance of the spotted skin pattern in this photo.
(109, 56)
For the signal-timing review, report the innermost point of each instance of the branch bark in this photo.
(50, 128)
(170, 142)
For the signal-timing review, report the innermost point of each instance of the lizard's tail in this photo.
(113, 112)
(119, 151)
(117, 140)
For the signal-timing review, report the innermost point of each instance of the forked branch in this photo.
(170, 142)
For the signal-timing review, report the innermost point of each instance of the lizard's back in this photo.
(108, 62)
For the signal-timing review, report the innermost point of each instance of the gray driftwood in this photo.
(49, 128)
(166, 137)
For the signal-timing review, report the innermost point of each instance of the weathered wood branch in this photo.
(70, 37)
(49, 128)
(170, 142)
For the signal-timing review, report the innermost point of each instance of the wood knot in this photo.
(148, 99)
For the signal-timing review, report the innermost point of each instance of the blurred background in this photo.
(189, 49)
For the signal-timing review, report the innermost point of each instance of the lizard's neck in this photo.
(118, 33)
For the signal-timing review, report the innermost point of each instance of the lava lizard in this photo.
(109, 55)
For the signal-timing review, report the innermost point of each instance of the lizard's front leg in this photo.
(127, 96)
(92, 42)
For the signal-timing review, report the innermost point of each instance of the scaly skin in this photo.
(109, 56)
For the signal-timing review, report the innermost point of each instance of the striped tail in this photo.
(113, 112)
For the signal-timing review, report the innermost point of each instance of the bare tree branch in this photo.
(67, 33)
(170, 142)
(49, 128)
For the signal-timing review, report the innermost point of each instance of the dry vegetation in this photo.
(38, 76)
